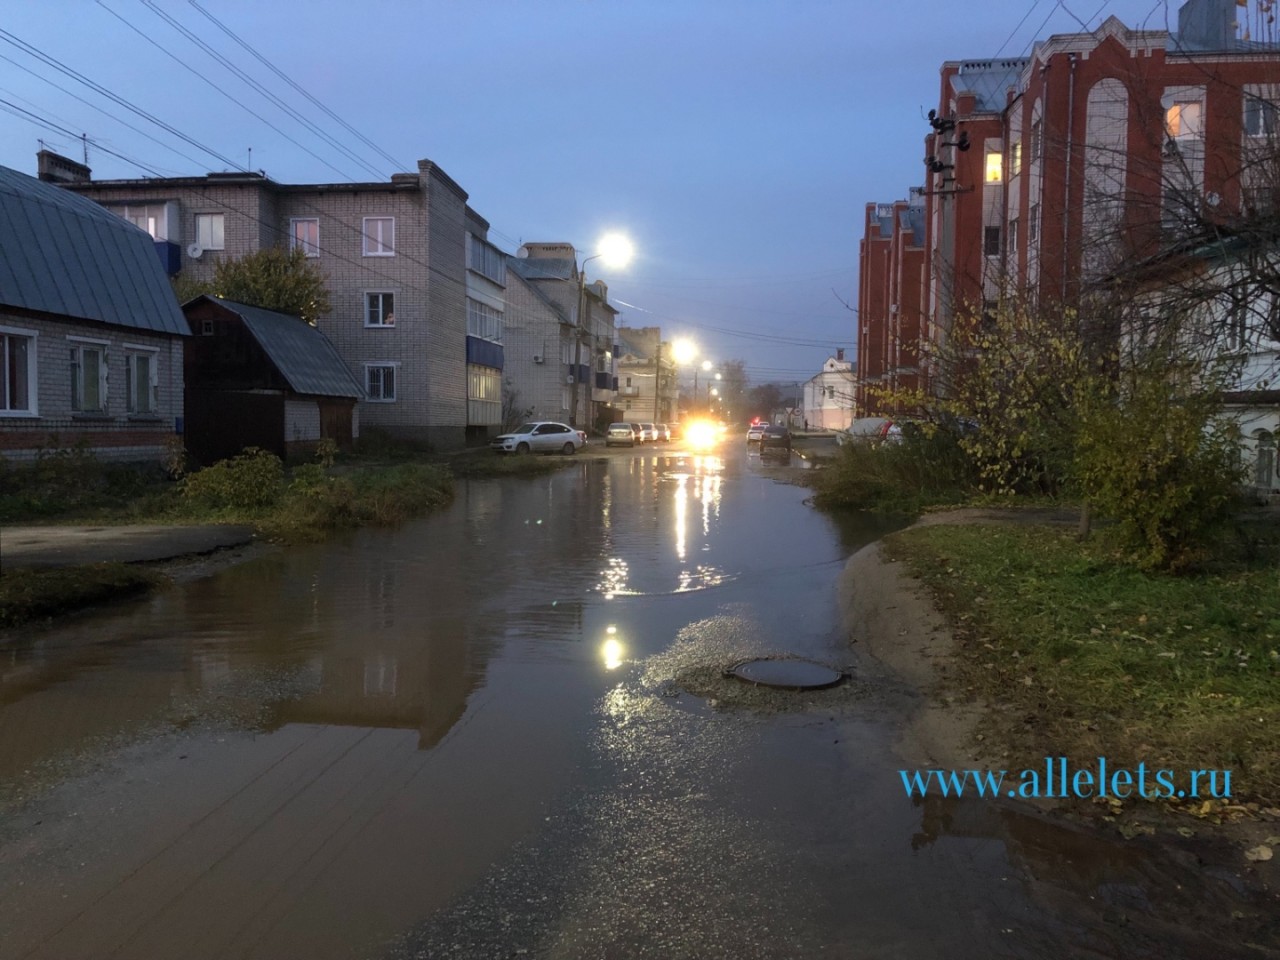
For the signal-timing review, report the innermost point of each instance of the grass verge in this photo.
(1084, 656)
(33, 593)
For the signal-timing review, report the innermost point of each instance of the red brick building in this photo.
(1046, 172)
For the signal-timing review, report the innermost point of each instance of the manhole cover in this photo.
(788, 674)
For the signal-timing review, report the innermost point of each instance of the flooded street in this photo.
(464, 738)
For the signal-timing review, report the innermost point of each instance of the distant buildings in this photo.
(647, 389)
(828, 402)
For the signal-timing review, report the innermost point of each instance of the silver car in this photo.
(540, 436)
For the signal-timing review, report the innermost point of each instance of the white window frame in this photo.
(486, 259)
(483, 321)
(208, 237)
(1182, 124)
(310, 248)
(33, 393)
(379, 245)
(388, 317)
(373, 365)
(78, 373)
(132, 352)
(993, 167)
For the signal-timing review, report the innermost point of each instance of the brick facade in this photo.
(115, 433)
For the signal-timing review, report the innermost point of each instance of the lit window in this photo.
(141, 384)
(17, 371)
(1183, 120)
(89, 377)
(380, 309)
(380, 382)
(305, 236)
(379, 236)
(995, 167)
(209, 231)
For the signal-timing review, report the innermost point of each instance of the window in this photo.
(483, 321)
(1013, 239)
(141, 382)
(1033, 223)
(380, 382)
(150, 217)
(484, 383)
(209, 231)
(1037, 141)
(487, 260)
(305, 236)
(17, 371)
(1237, 326)
(1015, 159)
(89, 377)
(628, 381)
(991, 241)
(831, 393)
(1183, 120)
(994, 167)
(379, 309)
(379, 236)
(1259, 117)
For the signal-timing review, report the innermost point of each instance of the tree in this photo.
(762, 400)
(272, 278)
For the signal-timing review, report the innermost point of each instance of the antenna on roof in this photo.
(250, 166)
(84, 140)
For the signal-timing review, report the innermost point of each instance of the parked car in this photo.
(755, 431)
(870, 430)
(663, 432)
(540, 436)
(621, 435)
(649, 431)
(775, 438)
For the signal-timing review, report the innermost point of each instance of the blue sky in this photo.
(736, 142)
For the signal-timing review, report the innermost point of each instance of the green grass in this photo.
(1091, 657)
(33, 593)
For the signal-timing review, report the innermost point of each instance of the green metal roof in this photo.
(63, 254)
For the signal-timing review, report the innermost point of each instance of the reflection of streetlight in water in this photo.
(612, 651)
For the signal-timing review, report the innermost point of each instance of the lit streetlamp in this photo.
(616, 251)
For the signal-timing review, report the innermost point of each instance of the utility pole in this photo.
(657, 384)
(577, 346)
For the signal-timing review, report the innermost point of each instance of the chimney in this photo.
(55, 168)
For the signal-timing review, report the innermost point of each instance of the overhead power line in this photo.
(395, 165)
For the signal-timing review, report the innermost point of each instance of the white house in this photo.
(829, 396)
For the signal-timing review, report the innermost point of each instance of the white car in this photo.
(540, 436)
(755, 432)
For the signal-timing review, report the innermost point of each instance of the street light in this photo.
(616, 251)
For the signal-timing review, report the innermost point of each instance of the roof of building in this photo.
(989, 81)
(63, 254)
(544, 268)
(533, 289)
(305, 357)
(628, 347)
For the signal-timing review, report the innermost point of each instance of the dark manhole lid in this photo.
(788, 674)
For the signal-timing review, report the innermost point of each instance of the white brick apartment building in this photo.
(416, 291)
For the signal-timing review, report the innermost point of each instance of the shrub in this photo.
(251, 480)
(927, 467)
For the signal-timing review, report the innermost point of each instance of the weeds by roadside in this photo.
(1085, 655)
(924, 470)
(32, 593)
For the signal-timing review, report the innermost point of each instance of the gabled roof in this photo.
(65, 255)
(533, 289)
(305, 357)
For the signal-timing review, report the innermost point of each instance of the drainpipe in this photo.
(1066, 195)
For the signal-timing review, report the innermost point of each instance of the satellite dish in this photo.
(195, 251)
